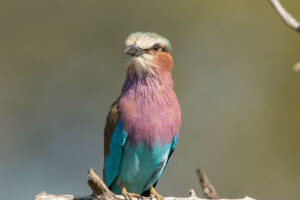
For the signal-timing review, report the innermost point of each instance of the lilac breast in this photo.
(150, 114)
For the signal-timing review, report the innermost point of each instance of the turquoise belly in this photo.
(140, 167)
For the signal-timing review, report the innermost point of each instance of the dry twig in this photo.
(101, 192)
(297, 67)
(285, 16)
(208, 189)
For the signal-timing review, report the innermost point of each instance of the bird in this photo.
(142, 126)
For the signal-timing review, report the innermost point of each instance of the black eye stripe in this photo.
(156, 47)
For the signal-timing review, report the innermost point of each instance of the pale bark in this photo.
(285, 16)
(101, 192)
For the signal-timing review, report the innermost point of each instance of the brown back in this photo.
(111, 121)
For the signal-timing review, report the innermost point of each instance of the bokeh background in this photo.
(62, 64)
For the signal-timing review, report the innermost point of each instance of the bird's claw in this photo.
(154, 194)
(130, 196)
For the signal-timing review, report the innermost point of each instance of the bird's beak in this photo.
(133, 50)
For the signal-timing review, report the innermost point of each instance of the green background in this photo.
(62, 64)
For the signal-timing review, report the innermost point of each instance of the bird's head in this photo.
(148, 53)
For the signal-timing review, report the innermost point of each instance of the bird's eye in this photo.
(156, 47)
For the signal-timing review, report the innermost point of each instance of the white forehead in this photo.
(147, 40)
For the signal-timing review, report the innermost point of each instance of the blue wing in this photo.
(161, 168)
(112, 162)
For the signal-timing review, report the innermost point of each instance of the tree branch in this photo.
(208, 189)
(297, 67)
(285, 16)
(101, 192)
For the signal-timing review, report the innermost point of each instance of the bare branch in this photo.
(45, 196)
(98, 186)
(285, 16)
(297, 67)
(101, 192)
(208, 189)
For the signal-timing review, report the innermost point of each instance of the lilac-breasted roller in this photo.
(142, 126)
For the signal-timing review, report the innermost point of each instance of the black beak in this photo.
(133, 50)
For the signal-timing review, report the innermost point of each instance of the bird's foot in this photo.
(154, 194)
(129, 196)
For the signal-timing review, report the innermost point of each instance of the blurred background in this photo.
(62, 64)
